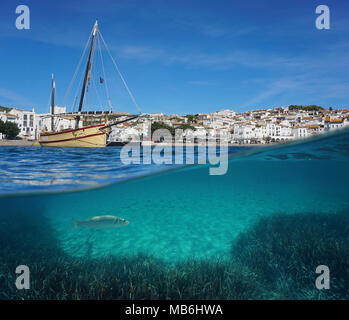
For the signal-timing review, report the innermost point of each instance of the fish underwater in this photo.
(101, 222)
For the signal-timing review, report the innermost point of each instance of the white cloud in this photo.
(273, 89)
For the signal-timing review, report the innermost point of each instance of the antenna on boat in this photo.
(88, 67)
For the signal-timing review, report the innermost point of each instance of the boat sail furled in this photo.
(91, 136)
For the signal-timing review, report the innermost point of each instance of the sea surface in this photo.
(175, 215)
(36, 169)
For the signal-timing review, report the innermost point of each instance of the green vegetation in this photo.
(9, 129)
(177, 119)
(275, 258)
(134, 278)
(267, 139)
(56, 275)
(305, 108)
(284, 250)
(160, 125)
(4, 109)
(192, 118)
(186, 126)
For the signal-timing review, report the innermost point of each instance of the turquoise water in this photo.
(189, 214)
(35, 169)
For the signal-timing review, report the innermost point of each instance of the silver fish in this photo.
(101, 222)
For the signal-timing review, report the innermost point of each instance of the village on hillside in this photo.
(261, 126)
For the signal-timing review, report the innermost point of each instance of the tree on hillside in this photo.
(176, 119)
(192, 118)
(4, 109)
(186, 126)
(305, 108)
(160, 125)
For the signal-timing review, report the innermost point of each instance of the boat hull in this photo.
(85, 137)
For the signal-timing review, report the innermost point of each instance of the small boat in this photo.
(89, 136)
(116, 143)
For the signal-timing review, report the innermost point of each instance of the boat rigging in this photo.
(83, 135)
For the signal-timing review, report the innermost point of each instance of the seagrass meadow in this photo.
(257, 232)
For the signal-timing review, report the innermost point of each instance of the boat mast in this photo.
(88, 67)
(53, 93)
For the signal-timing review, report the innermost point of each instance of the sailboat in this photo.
(91, 136)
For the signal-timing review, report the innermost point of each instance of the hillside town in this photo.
(261, 126)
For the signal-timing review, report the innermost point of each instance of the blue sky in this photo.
(182, 56)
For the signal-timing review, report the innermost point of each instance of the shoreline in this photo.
(18, 143)
(32, 143)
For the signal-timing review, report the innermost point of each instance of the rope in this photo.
(93, 67)
(76, 92)
(122, 78)
(76, 70)
(104, 75)
(88, 99)
(98, 96)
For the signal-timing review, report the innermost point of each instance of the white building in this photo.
(286, 133)
(300, 132)
(26, 121)
(243, 133)
(335, 124)
(8, 117)
(260, 132)
(124, 133)
(157, 116)
(226, 113)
